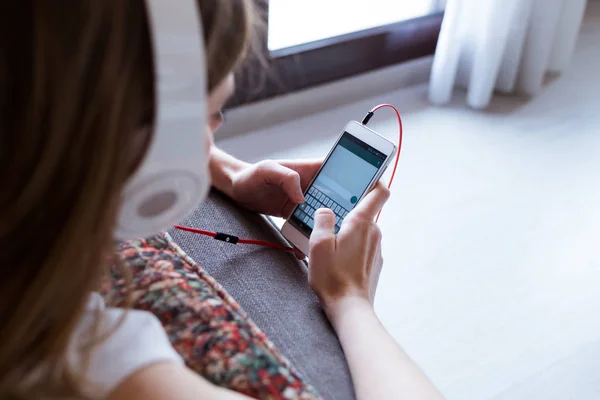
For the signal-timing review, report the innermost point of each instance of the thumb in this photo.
(322, 245)
(289, 180)
(293, 188)
(322, 238)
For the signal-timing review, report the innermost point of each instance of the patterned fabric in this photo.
(204, 324)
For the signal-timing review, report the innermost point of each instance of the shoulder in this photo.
(122, 342)
(166, 381)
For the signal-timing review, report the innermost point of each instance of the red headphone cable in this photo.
(400, 134)
(225, 237)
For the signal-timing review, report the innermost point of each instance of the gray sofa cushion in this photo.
(272, 288)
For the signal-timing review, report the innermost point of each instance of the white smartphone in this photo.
(354, 165)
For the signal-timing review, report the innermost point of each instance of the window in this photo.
(293, 23)
(312, 42)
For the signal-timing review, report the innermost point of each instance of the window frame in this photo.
(291, 69)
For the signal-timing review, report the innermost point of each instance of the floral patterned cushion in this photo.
(205, 325)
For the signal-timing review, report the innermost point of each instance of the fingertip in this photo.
(386, 192)
(382, 186)
(299, 255)
(296, 187)
(324, 212)
(382, 190)
(324, 219)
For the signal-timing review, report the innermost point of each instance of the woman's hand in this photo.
(344, 271)
(347, 265)
(268, 187)
(271, 187)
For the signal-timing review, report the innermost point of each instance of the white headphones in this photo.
(174, 176)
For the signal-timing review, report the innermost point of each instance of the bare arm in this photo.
(222, 168)
(169, 381)
(380, 368)
(344, 271)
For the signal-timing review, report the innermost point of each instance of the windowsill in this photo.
(300, 104)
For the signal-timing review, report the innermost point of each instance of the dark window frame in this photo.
(301, 67)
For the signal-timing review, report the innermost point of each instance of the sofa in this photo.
(272, 288)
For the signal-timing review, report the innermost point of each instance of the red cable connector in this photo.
(224, 237)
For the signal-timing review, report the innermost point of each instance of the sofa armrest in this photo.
(272, 288)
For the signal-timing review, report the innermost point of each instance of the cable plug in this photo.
(367, 118)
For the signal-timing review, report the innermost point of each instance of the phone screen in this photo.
(341, 182)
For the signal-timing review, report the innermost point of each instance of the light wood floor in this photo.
(492, 236)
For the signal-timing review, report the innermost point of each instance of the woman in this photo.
(76, 113)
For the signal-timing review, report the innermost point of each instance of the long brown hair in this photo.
(76, 83)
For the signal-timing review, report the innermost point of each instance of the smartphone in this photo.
(354, 165)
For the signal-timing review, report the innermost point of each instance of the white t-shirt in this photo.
(139, 341)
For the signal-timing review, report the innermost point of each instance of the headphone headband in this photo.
(173, 178)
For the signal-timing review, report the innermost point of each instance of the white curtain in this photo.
(503, 45)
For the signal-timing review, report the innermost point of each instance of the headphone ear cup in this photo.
(174, 176)
(155, 202)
